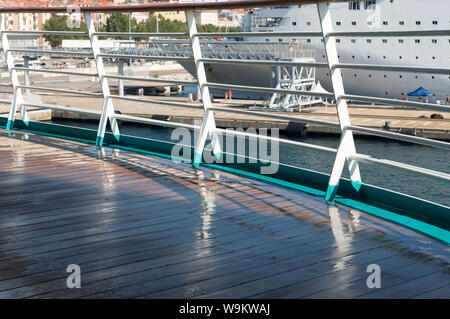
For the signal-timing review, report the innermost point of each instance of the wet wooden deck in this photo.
(144, 227)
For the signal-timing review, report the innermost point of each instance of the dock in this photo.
(389, 118)
(412, 122)
(141, 226)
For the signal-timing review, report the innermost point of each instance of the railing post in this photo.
(108, 107)
(17, 95)
(120, 73)
(26, 74)
(347, 143)
(208, 124)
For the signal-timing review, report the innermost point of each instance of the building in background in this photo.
(207, 17)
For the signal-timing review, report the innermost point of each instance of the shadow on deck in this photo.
(142, 226)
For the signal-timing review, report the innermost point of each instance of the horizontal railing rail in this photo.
(140, 34)
(42, 88)
(153, 101)
(400, 137)
(410, 168)
(54, 71)
(154, 80)
(62, 108)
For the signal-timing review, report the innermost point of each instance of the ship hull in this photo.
(237, 74)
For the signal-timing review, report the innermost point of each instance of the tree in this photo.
(60, 24)
(119, 22)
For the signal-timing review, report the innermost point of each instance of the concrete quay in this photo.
(407, 121)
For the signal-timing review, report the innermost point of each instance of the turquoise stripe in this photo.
(9, 125)
(417, 225)
(197, 159)
(356, 185)
(99, 141)
(331, 193)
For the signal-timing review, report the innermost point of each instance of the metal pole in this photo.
(17, 96)
(26, 64)
(108, 107)
(120, 81)
(129, 30)
(208, 124)
(347, 144)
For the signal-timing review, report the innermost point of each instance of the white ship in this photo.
(361, 16)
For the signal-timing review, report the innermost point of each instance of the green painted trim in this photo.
(331, 193)
(414, 224)
(197, 159)
(9, 125)
(99, 141)
(357, 185)
(389, 205)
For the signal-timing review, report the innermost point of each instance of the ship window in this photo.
(417, 41)
(369, 41)
(369, 22)
(435, 22)
(354, 5)
(400, 57)
(385, 76)
(368, 56)
(400, 40)
(418, 22)
(401, 76)
(353, 22)
(384, 40)
(434, 41)
(267, 40)
(280, 40)
(338, 40)
(353, 41)
(434, 58)
(308, 23)
(385, 23)
(370, 5)
(338, 23)
(401, 22)
(308, 40)
(294, 23)
(432, 77)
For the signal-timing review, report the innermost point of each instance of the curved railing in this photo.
(346, 152)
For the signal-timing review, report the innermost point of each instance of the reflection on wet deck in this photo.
(141, 226)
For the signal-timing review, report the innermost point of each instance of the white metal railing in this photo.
(346, 153)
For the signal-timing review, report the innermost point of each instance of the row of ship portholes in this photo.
(385, 76)
(384, 57)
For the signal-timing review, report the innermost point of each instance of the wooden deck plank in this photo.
(145, 227)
